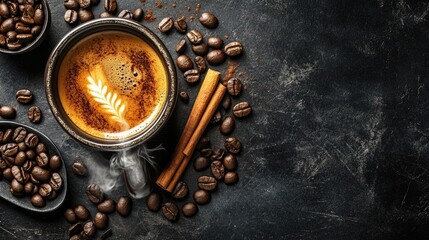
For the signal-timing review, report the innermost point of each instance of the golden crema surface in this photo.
(112, 84)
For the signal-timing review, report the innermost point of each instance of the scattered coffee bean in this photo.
(70, 216)
(110, 5)
(180, 191)
(201, 163)
(8, 112)
(233, 49)
(127, 14)
(233, 145)
(94, 193)
(170, 211)
(194, 36)
(55, 163)
(200, 63)
(230, 162)
(184, 63)
(202, 196)
(106, 234)
(71, 16)
(24, 96)
(207, 183)
(226, 102)
(106, 14)
(79, 168)
(154, 201)
(75, 229)
(216, 57)
(107, 206)
(215, 42)
(189, 209)
(234, 86)
(206, 152)
(101, 220)
(242, 109)
(227, 125)
(89, 229)
(82, 212)
(85, 15)
(218, 170)
(204, 142)
(71, 4)
(124, 205)
(230, 178)
(180, 24)
(165, 25)
(192, 76)
(181, 47)
(217, 154)
(200, 49)
(184, 97)
(209, 20)
(217, 117)
(84, 3)
(138, 14)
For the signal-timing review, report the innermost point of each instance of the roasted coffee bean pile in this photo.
(84, 226)
(23, 96)
(26, 163)
(20, 22)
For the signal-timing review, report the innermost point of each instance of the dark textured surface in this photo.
(338, 142)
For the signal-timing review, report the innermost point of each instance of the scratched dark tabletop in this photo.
(337, 146)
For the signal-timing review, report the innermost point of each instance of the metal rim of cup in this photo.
(92, 27)
(39, 39)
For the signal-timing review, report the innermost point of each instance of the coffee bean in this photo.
(194, 36)
(24, 96)
(31, 154)
(55, 163)
(45, 190)
(180, 24)
(207, 183)
(200, 63)
(56, 182)
(19, 134)
(7, 136)
(89, 229)
(230, 178)
(189, 209)
(184, 63)
(106, 14)
(233, 49)
(20, 158)
(180, 191)
(234, 86)
(232, 145)
(38, 17)
(127, 14)
(13, 8)
(13, 46)
(3, 164)
(24, 38)
(28, 165)
(201, 163)
(82, 212)
(36, 30)
(71, 4)
(84, 3)
(2, 40)
(226, 102)
(16, 186)
(154, 201)
(215, 42)
(41, 147)
(107, 206)
(79, 168)
(170, 211)
(34, 114)
(11, 36)
(28, 20)
(7, 25)
(124, 205)
(22, 147)
(209, 20)
(7, 112)
(29, 188)
(242, 109)
(181, 46)
(101, 220)
(70, 216)
(217, 117)
(75, 229)
(206, 152)
(217, 154)
(42, 159)
(4, 10)
(7, 174)
(202, 196)
(216, 57)
(31, 140)
(38, 201)
(19, 174)
(230, 162)
(227, 125)
(22, 28)
(85, 15)
(200, 49)
(10, 149)
(138, 14)
(94, 193)
(203, 142)
(165, 25)
(110, 5)
(34, 180)
(192, 76)
(106, 234)
(217, 169)
(40, 174)
(184, 97)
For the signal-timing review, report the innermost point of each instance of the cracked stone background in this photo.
(337, 146)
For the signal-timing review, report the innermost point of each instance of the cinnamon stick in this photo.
(193, 141)
(204, 95)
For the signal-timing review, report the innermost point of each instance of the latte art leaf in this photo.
(110, 102)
